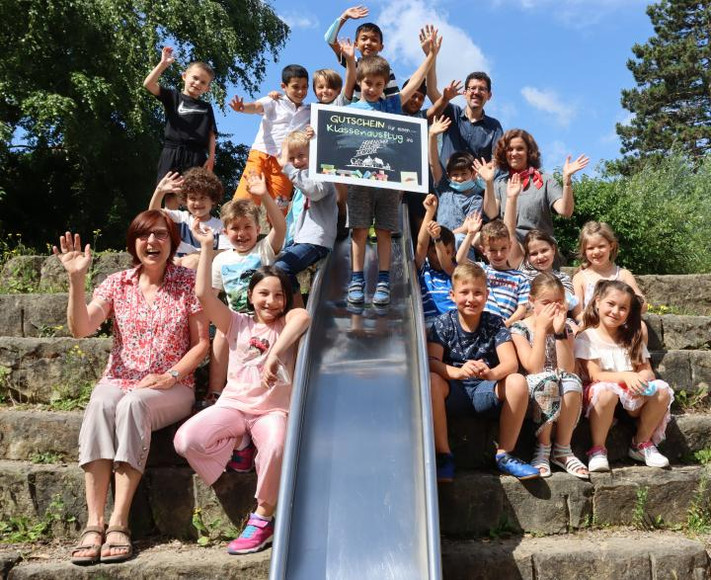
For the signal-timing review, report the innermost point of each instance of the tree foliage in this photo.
(672, 101)
(661, 215)
(79, 136)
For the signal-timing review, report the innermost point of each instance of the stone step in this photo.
(476, 503)
(618, 554)
(479, 503)
(38, 370)
(605, 555)
(51, 436)
(45, 315)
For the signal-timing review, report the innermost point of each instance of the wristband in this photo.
(560, 335)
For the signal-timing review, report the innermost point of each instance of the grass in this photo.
(213, 532)
(22, 529)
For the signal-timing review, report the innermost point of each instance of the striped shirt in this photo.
(435, 286)
(508, 289)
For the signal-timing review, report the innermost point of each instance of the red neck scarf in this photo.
(526, 175)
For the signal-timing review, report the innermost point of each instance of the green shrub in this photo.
(661, 215)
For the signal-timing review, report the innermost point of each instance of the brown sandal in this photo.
(95, 554)
(115, 558)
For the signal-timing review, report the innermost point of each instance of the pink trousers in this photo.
(208, 439)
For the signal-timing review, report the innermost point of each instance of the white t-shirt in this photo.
(232, 271)
(280, 118)
(611, 357)
(188, 243)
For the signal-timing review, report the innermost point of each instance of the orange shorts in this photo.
(278, 184)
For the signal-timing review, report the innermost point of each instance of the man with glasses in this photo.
(471, 129)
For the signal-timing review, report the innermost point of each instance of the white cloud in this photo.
(549, 102)
(295, 20)
(554, 154)
(576, 14)
(505, 111)
(623, 118)
(402, 19)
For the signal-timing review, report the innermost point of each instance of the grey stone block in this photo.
(686, 332)
(33, 315)
(669, 493)
(690, 292)
(53, 276)
(43, 368)
(108, 263)
(21, 273)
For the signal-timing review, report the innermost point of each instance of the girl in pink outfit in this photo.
(256, 399)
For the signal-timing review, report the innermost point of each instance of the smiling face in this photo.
(268, 299)
(153, 245)
(598, 251)
(414, 104)
(613, 308)
(369, 43)
(517, 154)
(296, 89)
(541, 255)
(199, 205)
(497, 251)
(372, 87)
(242, 232)
(477, 94)
(196, 82)
(325, 93)
(469, 295)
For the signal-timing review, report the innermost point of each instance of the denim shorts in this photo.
(296, 258)
(473, 397)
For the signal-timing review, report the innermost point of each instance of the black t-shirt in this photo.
(188, 121)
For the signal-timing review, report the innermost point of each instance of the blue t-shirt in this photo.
(391, 104)
(454, 206)
(508, 289)
(435, 286)
(461, 346)
(479, 138)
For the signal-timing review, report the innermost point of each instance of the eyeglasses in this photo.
(160, 235)
(476, 90)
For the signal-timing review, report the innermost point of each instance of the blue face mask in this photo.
(462, 186)
(468, 184)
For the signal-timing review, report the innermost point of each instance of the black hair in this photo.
(369, 27)
(293, 71)
(460, 160)
(446, 237)
(265, 272)
(480, 76)
(421, 89)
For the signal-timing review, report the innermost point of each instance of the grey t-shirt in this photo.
(535, 206)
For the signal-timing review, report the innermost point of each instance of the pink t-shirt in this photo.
(250, 343)
(148, 338)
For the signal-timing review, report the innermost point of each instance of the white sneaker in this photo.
(598, 461)
(648, 454)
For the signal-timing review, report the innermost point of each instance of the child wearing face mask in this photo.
(463, 191)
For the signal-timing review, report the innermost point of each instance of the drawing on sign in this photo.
(363, 158)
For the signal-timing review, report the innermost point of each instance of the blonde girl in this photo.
(544, 344)
(614, 364)
(597, 250)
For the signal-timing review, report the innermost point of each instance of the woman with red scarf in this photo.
(541, 194)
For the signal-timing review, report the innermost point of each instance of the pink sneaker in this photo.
(257, 535)
(243, 460)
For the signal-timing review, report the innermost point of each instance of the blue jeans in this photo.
(473, 397)
(297, 257)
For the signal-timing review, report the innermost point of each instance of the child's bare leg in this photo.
(190, 261)
(601, 416)
(265, 509)
(513, 391)
(439, 389)
(218, 364)
(298, 300)
(384, 248)
(570, 404)
(544, 437)
(650, 415)
(358, 238)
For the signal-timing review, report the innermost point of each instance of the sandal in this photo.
(128, 546)
(95, 554)
(541, 459)
(563, 457)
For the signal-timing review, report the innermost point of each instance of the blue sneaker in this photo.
(445, 467)
(356, 294)
(382, 294)
(511, 465)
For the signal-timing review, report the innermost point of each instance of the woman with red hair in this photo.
(160, 336)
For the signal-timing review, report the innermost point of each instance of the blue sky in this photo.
(557, 66)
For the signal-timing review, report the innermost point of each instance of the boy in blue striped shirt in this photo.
(508, 288)
(433, 259)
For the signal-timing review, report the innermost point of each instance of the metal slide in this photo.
(358, 495)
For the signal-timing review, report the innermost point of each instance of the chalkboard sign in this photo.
(368, 148)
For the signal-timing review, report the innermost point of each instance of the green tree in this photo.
(672, 101)
(79, 136)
